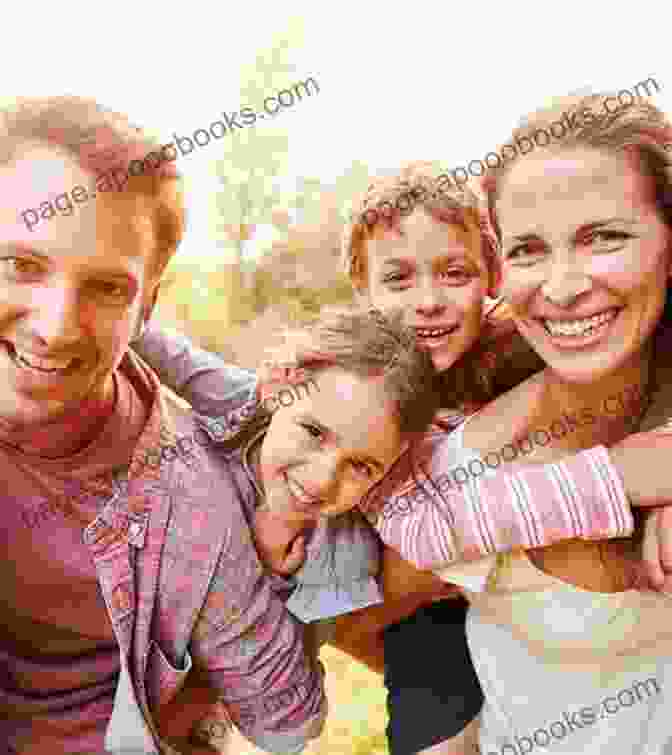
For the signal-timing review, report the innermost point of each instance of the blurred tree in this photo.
(250, 172)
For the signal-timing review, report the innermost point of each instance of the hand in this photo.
(279, 369)
(179, 720)
(642, 461)
(281, 540)
(657, 549)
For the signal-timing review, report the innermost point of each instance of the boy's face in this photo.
(72, 291)
(435, 272)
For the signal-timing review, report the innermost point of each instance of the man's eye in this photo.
(108, 289)
(17, 267)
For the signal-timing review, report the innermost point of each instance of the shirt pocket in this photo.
(164, 680)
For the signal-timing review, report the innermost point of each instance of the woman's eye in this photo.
(524, 254)
(608, 236)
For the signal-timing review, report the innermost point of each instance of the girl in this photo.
(585, 233)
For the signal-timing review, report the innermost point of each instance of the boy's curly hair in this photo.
(392, 196)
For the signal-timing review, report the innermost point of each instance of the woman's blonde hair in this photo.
(639, 129)
(390, 197)
(104, 140)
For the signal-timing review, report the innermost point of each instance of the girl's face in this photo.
(322, 453)
(436, 273)
(586, 259)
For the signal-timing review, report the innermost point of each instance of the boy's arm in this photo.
(435, 524)
(213, 387)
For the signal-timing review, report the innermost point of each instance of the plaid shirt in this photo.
(184, 589)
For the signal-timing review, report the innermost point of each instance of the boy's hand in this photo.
(281, 540)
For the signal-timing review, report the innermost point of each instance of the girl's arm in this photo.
(436, 523)
(213, 387)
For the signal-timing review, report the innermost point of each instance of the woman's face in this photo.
(586, 259)
(436, 273)
(323, 452)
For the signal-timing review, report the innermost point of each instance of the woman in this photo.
(586, 234)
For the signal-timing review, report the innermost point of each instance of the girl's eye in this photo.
(394, 278)
(362, 468)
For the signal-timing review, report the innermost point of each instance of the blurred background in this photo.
(390, 83)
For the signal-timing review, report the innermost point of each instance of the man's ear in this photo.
(147, 310)
(151, 304)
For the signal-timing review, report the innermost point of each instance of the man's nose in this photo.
(56, 317)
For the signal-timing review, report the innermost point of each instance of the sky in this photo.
(398, 81)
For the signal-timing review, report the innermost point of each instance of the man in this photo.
(120, 576)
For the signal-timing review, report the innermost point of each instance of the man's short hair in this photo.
(103, 140)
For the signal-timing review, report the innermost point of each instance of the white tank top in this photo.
(565, 670)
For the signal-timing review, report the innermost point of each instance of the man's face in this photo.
(73, 291)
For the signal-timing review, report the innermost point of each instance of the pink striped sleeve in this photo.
(581, 497)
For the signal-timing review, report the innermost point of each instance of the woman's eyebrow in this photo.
(603, 223)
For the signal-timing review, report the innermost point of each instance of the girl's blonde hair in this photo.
(391, 197)
(366, 344)
(639, 129)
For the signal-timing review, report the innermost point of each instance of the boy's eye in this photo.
(456, 275)
(312, 430)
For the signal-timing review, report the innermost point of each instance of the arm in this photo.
(405, 589)
(433, 526)
(251, 652)
(206, 381)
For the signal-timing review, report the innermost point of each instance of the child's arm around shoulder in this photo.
(434, 521)
(212, 386)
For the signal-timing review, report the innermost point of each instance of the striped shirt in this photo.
(425, 510)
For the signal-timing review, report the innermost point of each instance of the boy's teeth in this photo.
(431, 333)
(46, 365)
(578, 327)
